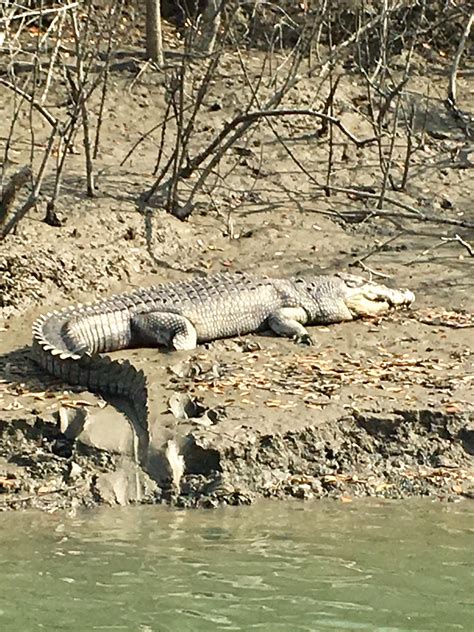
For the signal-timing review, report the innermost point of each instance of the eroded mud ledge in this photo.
(361, 454)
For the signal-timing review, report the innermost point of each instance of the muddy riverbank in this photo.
(380, 407)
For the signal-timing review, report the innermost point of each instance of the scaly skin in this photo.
(67, 343)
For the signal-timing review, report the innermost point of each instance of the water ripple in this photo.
(385, 567)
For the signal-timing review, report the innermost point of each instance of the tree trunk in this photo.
(154, 42)
(210, 23)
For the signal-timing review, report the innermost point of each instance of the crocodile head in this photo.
(367, 298)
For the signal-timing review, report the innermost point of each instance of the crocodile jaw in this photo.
(371, 299)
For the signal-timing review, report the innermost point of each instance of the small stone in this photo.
(445, 203)
(441, 460)
(75, 470)
(303, 491)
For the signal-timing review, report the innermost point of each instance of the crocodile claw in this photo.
(303, 339)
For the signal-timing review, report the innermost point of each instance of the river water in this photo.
(392, 567)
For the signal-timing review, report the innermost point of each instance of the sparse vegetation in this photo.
(276, 137)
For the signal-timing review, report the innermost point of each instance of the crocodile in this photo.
(68, 343)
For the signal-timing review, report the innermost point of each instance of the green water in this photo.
(275, 566)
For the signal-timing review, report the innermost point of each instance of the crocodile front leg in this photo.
(164, 328)
(288, 322)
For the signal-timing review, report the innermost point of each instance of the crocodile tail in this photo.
(97, 373)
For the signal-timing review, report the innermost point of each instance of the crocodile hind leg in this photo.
(164, 328)
(288, 322)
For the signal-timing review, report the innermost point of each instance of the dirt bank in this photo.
(380, 407)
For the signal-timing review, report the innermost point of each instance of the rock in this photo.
(71, 421)
(107, 429)
(75, 470)
(127, 484)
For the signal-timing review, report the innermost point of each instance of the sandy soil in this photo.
(379, 407)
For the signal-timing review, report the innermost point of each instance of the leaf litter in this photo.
(316, 378)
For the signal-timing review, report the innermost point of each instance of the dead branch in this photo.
(184, 128)
(386, 164)
(240, 124)
(209, 25)
(451, 101)
(252, 117)
(395, 92)
(41, 12)
(371, 271)
(412, 212)
(452, 98)
(53, 58)
(443, 242)
(32, 199)
(52, 120)
(114, 14)
(81, 101)
(378, 248)
(461, 241)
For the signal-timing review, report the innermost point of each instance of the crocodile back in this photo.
(218, 306)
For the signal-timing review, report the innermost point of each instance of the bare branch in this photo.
(451, 101)
(32, 199)
(53, 121)
(457, 58)
(251, 117)
(461, 241)
(41, 12)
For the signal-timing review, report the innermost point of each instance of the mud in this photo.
(382, 407)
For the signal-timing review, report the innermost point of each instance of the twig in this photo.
(371, 271)
(451, 100)
(421, 217)
(42, 12)
(53, 121)
(386, 164)
(460, 240)
(394, 92)
(378, 248)
(360, 193)
(443, 242)
(148, 133)
(82, 102)
(52, 60)
(409, 150)
(143, 69)
(251, 117)
(64, 146)
(115, 10)
(457, 58)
